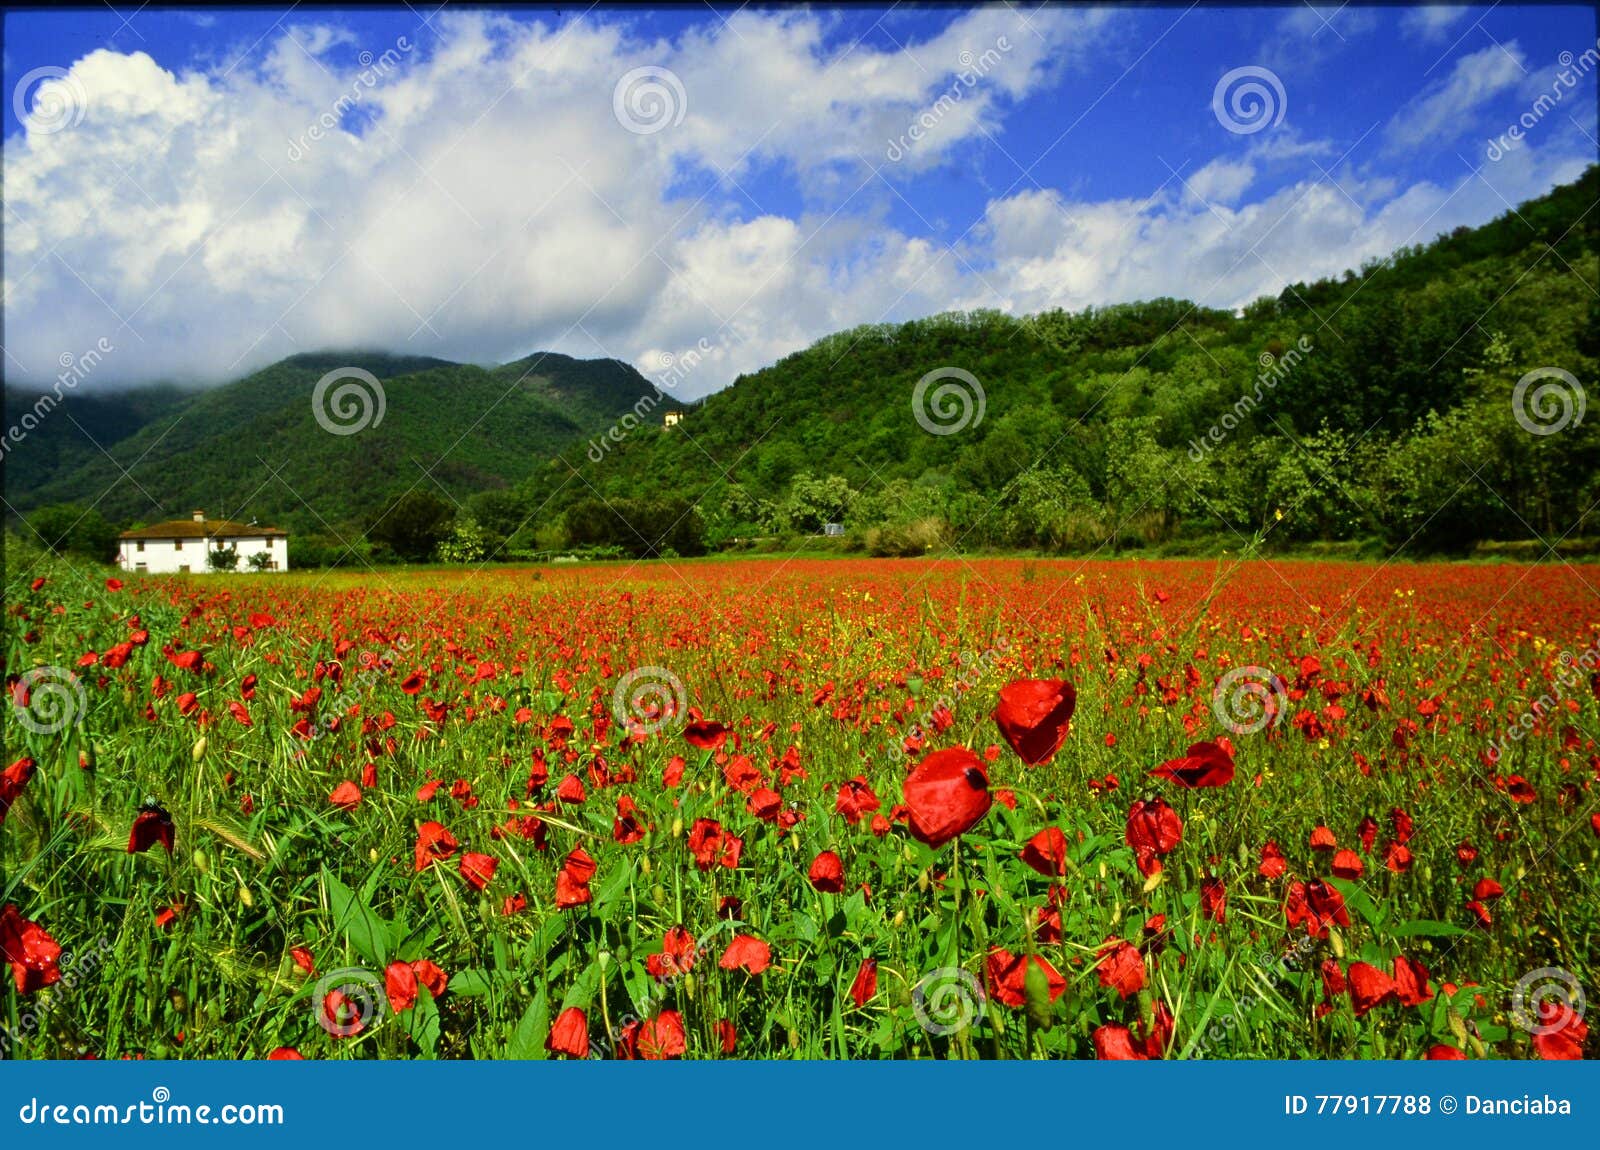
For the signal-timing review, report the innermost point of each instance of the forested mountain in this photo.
(1393, 404)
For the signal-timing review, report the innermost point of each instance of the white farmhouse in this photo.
(181, 545)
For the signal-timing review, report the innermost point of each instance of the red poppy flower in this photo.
(727, 1036)
(400, 984)
(1273, 864)
(572, 880)
(706, 735)
(1114, 1043)
(29, 949)
(1347, 864)
(478, 869)
(946, 795)
(1561, 1032)
(1214, 899)
(661, 1037)
(866, 982)
(303, 959)
(285, 1054)
(1153, 830)
(855, 799)
(1443, 1053)
(827, 873)
(434, 842)
(569, 1034)
(626, 827)
(1203, 765)
(1317, 905)
(1322, 839)
(12, 780)
(1121, 968)
(1046, 852)
(1007, 977)
(677, 956)
(1034, 715)
(151, 826)
(346, 796)
(746, 953)
(1369, 986)
(1487, 888)
(1411, 981)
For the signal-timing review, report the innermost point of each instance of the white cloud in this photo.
(1432, 22)
(489, 203)
(1446, 110)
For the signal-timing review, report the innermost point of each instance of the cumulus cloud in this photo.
(479, 198)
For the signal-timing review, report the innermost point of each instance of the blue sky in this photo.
(484, 195)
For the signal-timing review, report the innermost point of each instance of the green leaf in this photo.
(527, 1041)
(422, 1023)
(357, 921)
(1427, 928)
(470, 983)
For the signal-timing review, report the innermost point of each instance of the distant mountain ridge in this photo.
(255, 447)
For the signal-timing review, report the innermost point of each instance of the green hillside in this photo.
(256, 448)
(1392, 421)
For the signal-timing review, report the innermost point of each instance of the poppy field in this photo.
(997, 809)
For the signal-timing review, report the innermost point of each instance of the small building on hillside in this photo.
(182, 545)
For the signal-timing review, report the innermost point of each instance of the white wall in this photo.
(171, 556)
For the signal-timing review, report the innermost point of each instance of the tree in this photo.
(469, 542)
(70, 529)
(813, 502)
(222, 558)
(259, 561)
(413, 525)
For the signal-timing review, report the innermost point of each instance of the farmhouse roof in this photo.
(198, 527)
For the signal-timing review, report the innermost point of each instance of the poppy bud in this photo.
(899, 918)
(688, 986)
(1116, 913)
(644, 864)
(199, 749)
(924, 881)
(1427, 873)
(677, 828)
(1036, 995)
(1153, 881)
(1336, 940)
(1102, 870)
(794, 1039)
(180, 1002)
(245, 896)
(373, 854)
(201, 863)
(659, 893)
(605, 959)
